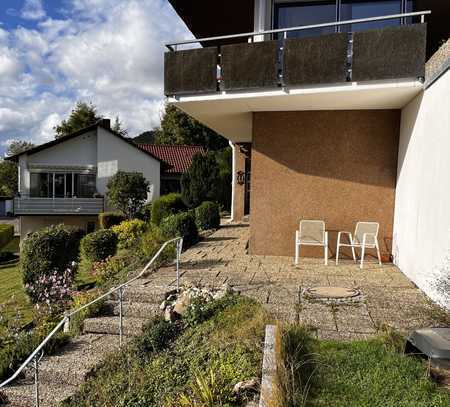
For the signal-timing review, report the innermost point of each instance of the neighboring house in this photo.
(65, 180)
(6, 206)
(177, 159)
(338, 122)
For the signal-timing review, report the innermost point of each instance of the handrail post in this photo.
(36, 380)
(120, 315)
(179, 246)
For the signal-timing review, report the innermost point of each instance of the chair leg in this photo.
(297, 248)
(337, 254)
(325, 249)
(378, 252)
(353, 249)
(362, 253)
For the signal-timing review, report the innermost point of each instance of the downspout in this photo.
(233, 178)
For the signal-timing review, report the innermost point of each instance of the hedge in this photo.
(166, 205)
(110, 219)
(47, 250)
(129, 232)
(181, 224)
(207, 216)
(98, 245)
(6, 234)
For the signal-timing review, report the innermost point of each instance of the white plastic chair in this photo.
(365, 237)
(311, 233)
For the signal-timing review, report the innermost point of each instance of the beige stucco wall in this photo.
(29, 224)
(338, 166)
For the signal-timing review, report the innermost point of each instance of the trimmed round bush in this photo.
(98, 245)
(49, 253)
(166, 205)
(181, 224)
(207, 216)
(110, 219)
(129, 232)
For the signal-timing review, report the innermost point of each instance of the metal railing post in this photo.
(36, 380)
(120, 315)
(178, 263)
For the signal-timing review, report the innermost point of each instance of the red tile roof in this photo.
(178, 157)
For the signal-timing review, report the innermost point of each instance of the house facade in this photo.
(333, 113)
(65, 180)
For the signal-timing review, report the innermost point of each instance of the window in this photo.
(297, 13)
(62, 185)
(353, 9)
(293, 14)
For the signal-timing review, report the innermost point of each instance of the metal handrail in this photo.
(35, 354)
(171, 45)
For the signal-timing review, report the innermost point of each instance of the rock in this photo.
(224, 290)
(163, 305)
(170, 315)
(251, 385)
(182, 304)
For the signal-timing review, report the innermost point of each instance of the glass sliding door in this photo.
(62, 185)
(41, 185)
(293, 14)
(354, 9)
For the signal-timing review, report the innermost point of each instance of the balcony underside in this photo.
(230, 113)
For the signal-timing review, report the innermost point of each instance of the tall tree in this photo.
(18, 146)
(83, 115)
(118, 127)
(179, 128)
(8, 178)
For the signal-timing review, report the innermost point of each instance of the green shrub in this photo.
(166, 205)
(151, 242)
(48, 252)
(80, 299)
(6, 234)
(98, 245)
(110, 219)
(207, 216)
(107, 270)
(145, 213)
(129, 232)
(181, 224)
(156, 336)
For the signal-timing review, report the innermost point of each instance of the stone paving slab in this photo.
(389, 297)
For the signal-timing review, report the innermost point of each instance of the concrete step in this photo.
(73, 364)
(22, 394)
(110, 325)
(133, 309)
(143, 293)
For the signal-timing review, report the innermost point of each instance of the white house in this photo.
(64, 180)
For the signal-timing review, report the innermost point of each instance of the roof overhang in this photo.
(231, 114)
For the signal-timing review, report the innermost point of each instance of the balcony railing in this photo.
(58, 206)
(395, 52)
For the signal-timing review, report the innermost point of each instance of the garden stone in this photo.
(246, 385)
(182, 303)
(163, 305)
(170, 315)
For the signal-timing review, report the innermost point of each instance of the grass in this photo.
(184, 365)
(370, 373)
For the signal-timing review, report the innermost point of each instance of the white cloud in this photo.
(108, 52)
(32, 10)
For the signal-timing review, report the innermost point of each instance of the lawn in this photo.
(366, 373)
(11, 291)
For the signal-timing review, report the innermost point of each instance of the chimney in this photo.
(105, 123)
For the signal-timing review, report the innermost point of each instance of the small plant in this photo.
(207, 216)
(129, 233)
(165, 206)
(98, 245)
(181, 225)
(110, 219)
(106, 271)
(127, 191)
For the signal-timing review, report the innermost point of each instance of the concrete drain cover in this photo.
(335, 295)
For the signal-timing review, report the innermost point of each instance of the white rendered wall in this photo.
(421, 243)
(114, 154)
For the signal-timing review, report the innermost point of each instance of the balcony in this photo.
(222, 85)
(58, 206)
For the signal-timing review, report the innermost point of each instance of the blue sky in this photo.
(55, 52)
